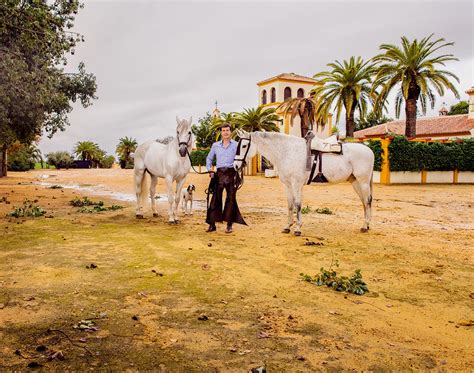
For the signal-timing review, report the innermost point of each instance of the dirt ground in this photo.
(174, 298)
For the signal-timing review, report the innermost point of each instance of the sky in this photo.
(156, 60)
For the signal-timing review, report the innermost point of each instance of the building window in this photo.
(300, 93)
(264, 97)
(287, 93)
(273, 94)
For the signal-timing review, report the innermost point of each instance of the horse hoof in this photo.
(139, 216)
(155, 215)
(286, 230)
(364, 230)
(297, 234)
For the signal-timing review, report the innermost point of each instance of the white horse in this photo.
(288, 155)
(169, 161)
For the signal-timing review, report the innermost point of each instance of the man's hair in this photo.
(225, 125)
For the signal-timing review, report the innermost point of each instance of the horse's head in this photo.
(245, 149)
(184, 135)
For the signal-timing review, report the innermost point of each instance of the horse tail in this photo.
(371, 187)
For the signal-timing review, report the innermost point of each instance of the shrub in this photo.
(60, 159)
(107, 161)
(27, 210)
(376, 148)
(198, 157)
(21, 160)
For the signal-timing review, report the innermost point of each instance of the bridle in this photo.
(186, 143)
(239, 145)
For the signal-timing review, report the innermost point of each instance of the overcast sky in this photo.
(154, 60)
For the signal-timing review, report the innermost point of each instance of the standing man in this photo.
(224, 178)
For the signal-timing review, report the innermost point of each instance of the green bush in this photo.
(376, 148)
(60, 159)
(107, 161)
(198, 157)
(21, 160)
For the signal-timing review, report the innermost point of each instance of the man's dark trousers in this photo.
(225, 179)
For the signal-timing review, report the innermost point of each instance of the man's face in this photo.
(225, 132)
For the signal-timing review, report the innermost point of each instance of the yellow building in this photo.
(273, 91)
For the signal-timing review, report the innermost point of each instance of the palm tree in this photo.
(348, 86)
(413, 68)
(125, 147)
(87, 150)
(217, 122)
(305, 107)
(257, 119)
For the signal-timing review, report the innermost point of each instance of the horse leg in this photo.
(179, 190)
(363, 190)
(289, 195)
(169, 187)
(154, 181)
(297, 193)
(191, 207)
(139, 183)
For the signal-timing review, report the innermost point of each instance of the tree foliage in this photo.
(60, 159)
(346, 86)
(462, 107)
(36, 94)
(202, 132)
(413, 69)
(372, 119)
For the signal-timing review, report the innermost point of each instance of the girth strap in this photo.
(319, 178)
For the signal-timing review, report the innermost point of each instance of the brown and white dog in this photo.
(188, 197)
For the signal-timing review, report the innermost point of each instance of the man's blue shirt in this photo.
(224, 155)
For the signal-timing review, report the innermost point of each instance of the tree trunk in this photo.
(3, 161)
(350, 122)
(410, 113)
(410, 109)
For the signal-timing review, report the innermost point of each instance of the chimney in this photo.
(470, 92)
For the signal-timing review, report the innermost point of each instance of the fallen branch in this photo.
(70, 340)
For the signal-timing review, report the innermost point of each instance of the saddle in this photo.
(315, 147)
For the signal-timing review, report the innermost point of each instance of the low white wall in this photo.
(466, 177)
(441, 177)
(405, 177)
(376, 177)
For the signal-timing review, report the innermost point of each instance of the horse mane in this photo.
(272, 135)
(165, 140)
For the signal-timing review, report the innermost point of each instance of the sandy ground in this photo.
(417, 260)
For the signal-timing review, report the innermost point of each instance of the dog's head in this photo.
(191, 188)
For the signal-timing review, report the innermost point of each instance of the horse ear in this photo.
(177, 120)
(190, 120)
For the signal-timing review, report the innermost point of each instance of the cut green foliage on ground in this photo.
(29, 209)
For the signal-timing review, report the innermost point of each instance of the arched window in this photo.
(300, 93)
(264, 97)
(273, 94)
(287, 93)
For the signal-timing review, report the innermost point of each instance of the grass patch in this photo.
(55, 186)
(324, 210)
(85, 201)
(29, 209)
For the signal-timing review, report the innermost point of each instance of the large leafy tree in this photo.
(462, 107)
(36, 94)
(125, 147)
(413, 69)
(346, 86)
(202, 131)
(371, 119)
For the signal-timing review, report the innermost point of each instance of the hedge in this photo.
(198, 157)
(435, 156)
(376, 148)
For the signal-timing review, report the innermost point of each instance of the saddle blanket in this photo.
(328, 145)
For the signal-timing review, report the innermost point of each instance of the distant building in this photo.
(273, 91)
(443, 127)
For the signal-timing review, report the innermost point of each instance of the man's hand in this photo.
(211, 174)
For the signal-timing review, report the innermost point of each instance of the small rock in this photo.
(209, 244)
(135, 317)
(259, 370)
(300, 358)
(203, 317)
(233, 349)
(41, 348)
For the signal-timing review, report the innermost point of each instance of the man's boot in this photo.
(229, 228)
(211, 228)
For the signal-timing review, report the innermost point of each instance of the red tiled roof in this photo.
(290, 76)
(451, 125)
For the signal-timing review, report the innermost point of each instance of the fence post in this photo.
(385, 168)
(254, 166)
(455, 176)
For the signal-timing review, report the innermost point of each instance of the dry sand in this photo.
(417, 260)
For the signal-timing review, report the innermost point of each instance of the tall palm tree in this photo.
(87, 150)
(125, 147)
(412, 68)
(257, 119)
(305, 108)
(348, 86)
